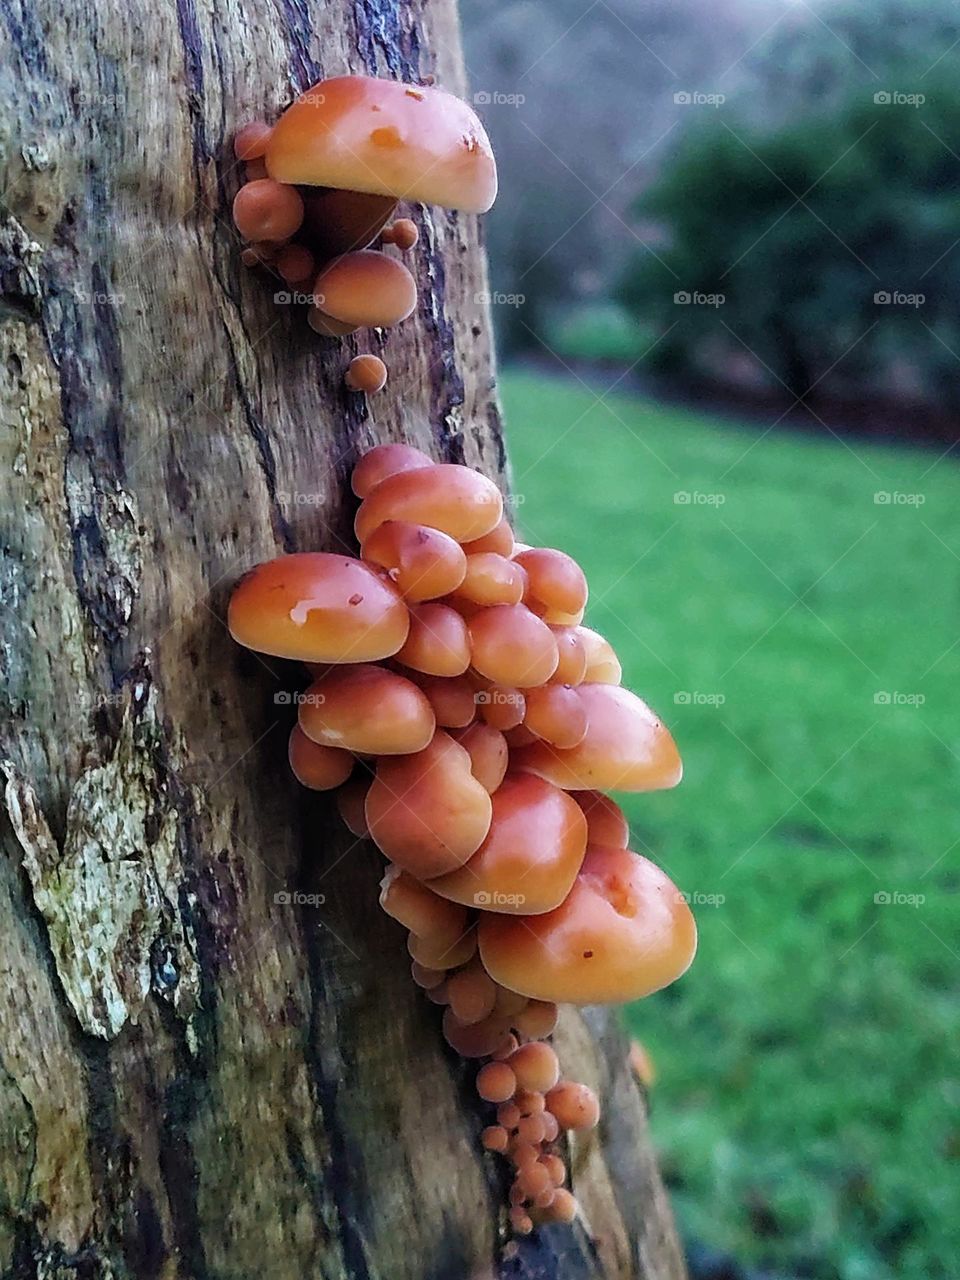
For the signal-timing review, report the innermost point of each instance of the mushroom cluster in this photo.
(471, 725)
(323, 184)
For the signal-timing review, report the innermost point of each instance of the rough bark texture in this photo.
(198, 1077)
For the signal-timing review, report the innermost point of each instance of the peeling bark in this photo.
(199, 1075)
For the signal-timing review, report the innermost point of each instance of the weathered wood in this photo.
(199, 1077)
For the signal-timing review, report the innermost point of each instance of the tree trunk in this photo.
(199, 1078)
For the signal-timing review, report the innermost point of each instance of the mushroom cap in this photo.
(512, 646)
(418, 909)
(622, 932)
(366, 373)
(488, 750)
(313, 606)
(438, 643)
(556, 715)
(386, 460)
(491, 578)
(360, 133)
(427, 812)
(606, 822)
(626, 747)
(531, 854)
(499, 539)
(266, 210)
(317, 767)
(457, 500)
(603, 665)
(556, 585)
(572, 666)
(365, 288)
(423, 562)
(367, 709)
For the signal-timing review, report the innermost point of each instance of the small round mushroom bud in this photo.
(494, 1138)
(428, 916)
(626, 747)
(501, 707)
(531, 1129)
(362, 133)
(537, 1020)
(572, 667)
(603, 665)
(622, 932)
(496, 1082)
(553, 1164)
(423, 562)
(521, 1222)
(556, 586)
(403, 233)
(351, 801)
(575, 1105)
(426, 811)
(556, 715)
(250, 142)
(452, 703)
(472, 994)
(499, 540)
(427, 979)
(606, 821)
(478, 1040)
(267, 210)
(487, 748)
(337, 221)
(435, 954)
(367, 709)
(386, 460)
(296, 264)
(510, 645)
(563, 1207)
(364, 288)
(530, 857)
(523, 1154)
(446, 496)
(438, 643)
(491, 579)
(534, 1179)
(551, 1129)
(254, 170)
(530, 1102)
(317, 607)
(536, 1067)
(545, 1199)
(508, 1115)
(367, 374)
(512, 1044)
(316, 767)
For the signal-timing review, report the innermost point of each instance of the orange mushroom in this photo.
(530, 857)
(491, 579)
(446, 496)
(603, 665)
(317, 607)
(622, 932)
(403, 233)
(351, 801)
(267, 210)
(423, 562)
(386, 460)
(367, 374)
(556, 586)
(426, 811)
(488, 752)
(452, 700)
(556, 715)
(626, 747)
(359, 133)
(437, 643)
(606, 822)
(362, 288)
(512, 646)
(317, 767)
(499, 540)
(250, 142)
(437, 921)
(367, 709)
(572, 667)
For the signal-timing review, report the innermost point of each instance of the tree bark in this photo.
(198, 1078)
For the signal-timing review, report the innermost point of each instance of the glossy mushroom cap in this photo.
(368, 710)
(602, 663)
(386, 460)
(457, 500)
(626, 747)
(366, 373)
(427, 812)
(359, 133)
(512, 646)
(622, 932)
(556, 585)
(531, 855)
(423, 562)
(606, 822)
(438, 643)
(266, 210)
(365, 288)
(488, 752)
(317, 767)
(318, 607)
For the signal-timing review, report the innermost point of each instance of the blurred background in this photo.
(725, 276)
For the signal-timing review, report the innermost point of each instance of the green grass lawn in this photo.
(808, 1102)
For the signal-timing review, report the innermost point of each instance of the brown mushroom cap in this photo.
(365, 288)
(423, 562)
(360, 133)
(488, 751)
(512, 646)
(366, 373)
(531, 855)
(367, 709)
(602, 663)
(386, 460)
(626, 747)
(266, 210)
(446, 496)
(318, 607)
(622, 932)
(606, 822)
(437, 643)
(317, 767)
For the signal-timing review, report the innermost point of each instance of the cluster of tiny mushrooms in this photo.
(469, 723)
